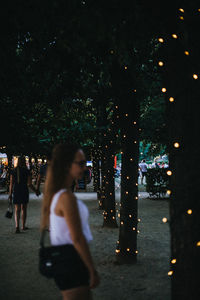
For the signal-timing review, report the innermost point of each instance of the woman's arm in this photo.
(11, 186)
(69, 209)
(30, 185)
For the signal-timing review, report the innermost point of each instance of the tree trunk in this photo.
(126, 251)
(184, 128)
(109, 202)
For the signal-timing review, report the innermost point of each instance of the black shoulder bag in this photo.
(56, 260)
(9, 212)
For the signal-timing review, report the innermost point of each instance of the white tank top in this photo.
(59, 231)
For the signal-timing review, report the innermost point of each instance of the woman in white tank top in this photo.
(67, 219)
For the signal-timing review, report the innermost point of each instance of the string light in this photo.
(181, 18)
(134, 91)
(164, 220)
(160, 63)
(170, 273)
(127, 177)
(186, 52)
(169, 173)
(117, 250)
(181, 9)
(134, 122)
(198, 244)
(134, 228)
(130, 216)
(125, 67)
(164, 90)
(128, 249)
(126, 115)
(174, 36)
(189, 211)
(176, 145)
(121, 222)
(173, 261)
(161, 40)
(168, 192)
(136, 251)
(111, 51)
(131, 159)
(171, 99)
(195, 76)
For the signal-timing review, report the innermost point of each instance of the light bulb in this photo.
(161, 40)
(133, 228)
(174, 36)
(160, 63)
(169, 173)
(125, 68)
(128, 249)
(198, 244)
(164, 220)
(189, 211)
(130, 216)
(164, 90)
(171, 99)
(168, 192)
(122, 223)
(186, 52)
(176, 145)
(136, 251)
(111, 51)
(117, 251)
(173, 261)
(170, 273)
(195, 76)
(181, 9)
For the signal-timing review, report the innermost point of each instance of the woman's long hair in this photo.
(57, 171)
(21, 163)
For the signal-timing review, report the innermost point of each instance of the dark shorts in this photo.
(76, 275)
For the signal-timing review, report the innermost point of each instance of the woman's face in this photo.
(78, 165)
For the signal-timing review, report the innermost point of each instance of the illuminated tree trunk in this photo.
(126, 251)
(183, 94)
(109, 202)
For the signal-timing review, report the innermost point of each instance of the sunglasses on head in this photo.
(81, 163)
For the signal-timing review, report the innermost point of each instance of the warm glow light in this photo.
(111, 51)
(117, 251)
(168, 192)
(160, 63)
(173, 261)
(174, 36)
(136, 251)
(127, 193)
(139, 220)
(164, 220)
(122, 222)
(170, 273)
(118, 215)
(169, 173)
(198, 244)
(195, 76)
(164, 90)
(126, 115)
(125, 68)
(134, 123)
(181, 18)
(189, 211)
(161, 40)
(128, 249)
(186, 52)
(171, 99)
(127, 177)
(176, 145)
(181, 9)
(130, 216)
(133, 228)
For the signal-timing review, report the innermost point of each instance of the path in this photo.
(147, 280)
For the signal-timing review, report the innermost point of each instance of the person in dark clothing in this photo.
(20, 181)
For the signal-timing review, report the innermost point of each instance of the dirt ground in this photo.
(146, 280)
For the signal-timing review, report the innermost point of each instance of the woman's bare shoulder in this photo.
(67, 196)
